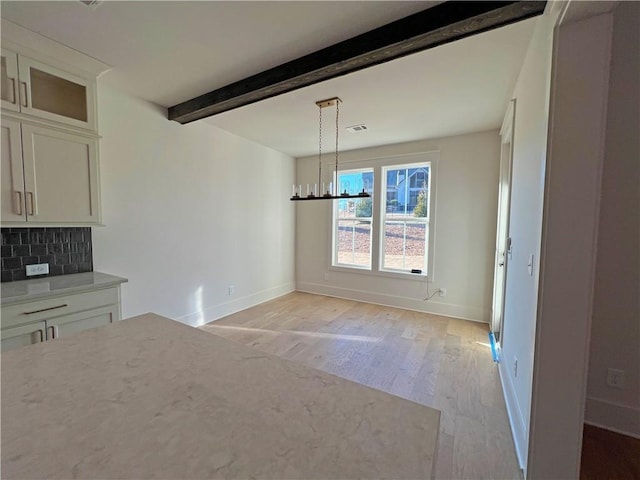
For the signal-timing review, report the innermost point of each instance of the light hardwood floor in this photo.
(437, 361)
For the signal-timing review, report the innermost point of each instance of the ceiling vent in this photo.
(357, 128)
(92, 4)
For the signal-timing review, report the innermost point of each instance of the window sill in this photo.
(415, 277)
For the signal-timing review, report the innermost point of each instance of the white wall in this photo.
(615, 333)
(465, 225)
(575, 154)
(529, 156)
(190, 210)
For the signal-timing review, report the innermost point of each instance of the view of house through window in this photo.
(353, 220)
(402, 226)
(405, 215)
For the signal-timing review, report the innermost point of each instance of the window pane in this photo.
(352, 245)
(405, 245)
(405, 228)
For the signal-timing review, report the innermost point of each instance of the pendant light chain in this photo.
(320, 153)
(332, 192)
(337, 116)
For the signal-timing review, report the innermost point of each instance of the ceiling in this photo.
(170, 51)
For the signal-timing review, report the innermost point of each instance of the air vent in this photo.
(357, 128)
(92, 4)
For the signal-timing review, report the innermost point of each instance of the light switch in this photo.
(530, 265)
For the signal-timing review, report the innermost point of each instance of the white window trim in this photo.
(429, 221)
(430, 157)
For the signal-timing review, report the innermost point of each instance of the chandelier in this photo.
(331, 191)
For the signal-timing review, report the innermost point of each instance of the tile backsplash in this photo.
(65, 249)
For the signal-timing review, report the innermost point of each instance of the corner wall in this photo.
(615, 328)
(465, 225)
(189, 210)
(529, 157)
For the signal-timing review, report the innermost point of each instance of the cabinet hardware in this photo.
(45, 309)
(13, 91)
(17, 204)
(24, 100)
(30, 203)
(54, 332)
(41, 332)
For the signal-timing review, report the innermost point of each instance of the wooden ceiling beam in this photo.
(446, 22)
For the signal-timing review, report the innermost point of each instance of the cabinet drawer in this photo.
(39, 310)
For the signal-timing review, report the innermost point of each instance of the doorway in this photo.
(503, 242)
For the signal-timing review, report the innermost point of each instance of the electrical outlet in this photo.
(515, 367)
(442, 292)
(232, 289)
(615, 378)
(39, 269)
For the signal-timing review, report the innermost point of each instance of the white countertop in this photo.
(151, 398)
(27, 290)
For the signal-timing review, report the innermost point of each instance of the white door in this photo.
(502, 231)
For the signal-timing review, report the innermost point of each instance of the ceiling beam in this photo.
(446, 22)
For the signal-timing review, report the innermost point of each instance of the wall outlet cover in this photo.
(615, 378)
(39, 269)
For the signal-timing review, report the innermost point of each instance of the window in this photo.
(392, 231)
(405, 218)
(353, 220)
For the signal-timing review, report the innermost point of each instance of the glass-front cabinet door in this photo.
(9, 80)
(50, 93)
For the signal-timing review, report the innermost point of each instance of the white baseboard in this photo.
(446, 309)
(613, 416)
(216, 312)
(516, 419)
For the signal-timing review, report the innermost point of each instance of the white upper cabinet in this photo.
(12, 179)
(49, 176)
(9, 81)
(49, 93)
(60, 176)
(49, 132)
(34, 88)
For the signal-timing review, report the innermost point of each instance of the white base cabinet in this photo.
(23, 335)
(37, 321)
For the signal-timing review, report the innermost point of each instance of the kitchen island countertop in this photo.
(151, 398)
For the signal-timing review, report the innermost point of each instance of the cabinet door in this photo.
(12, 181)
(24, 335)
(77, 322)
(9, 80)
(56, 95)
(61, 176)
